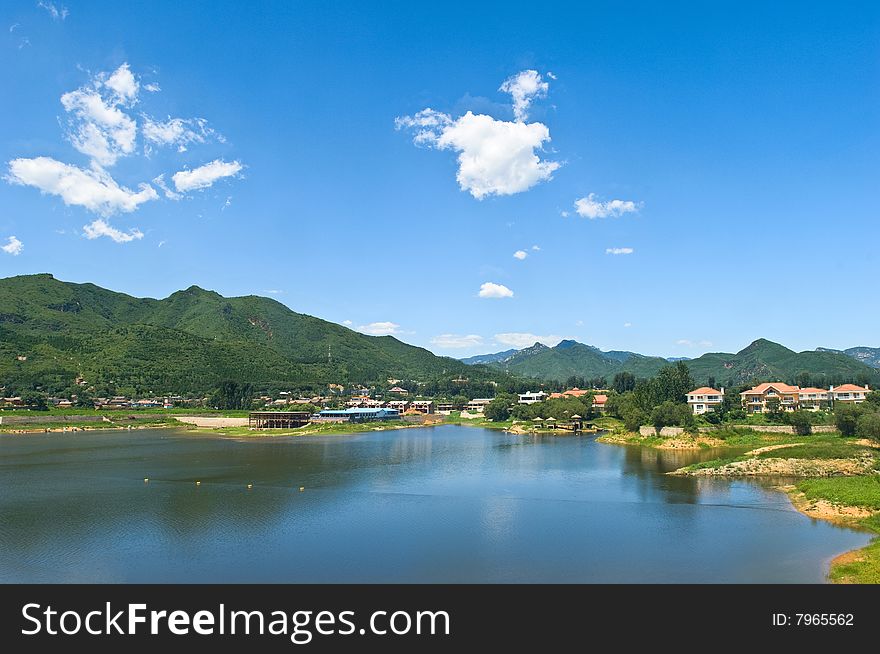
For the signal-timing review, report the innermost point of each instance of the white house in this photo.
(531, 398)
(704, 399)
(849, 393)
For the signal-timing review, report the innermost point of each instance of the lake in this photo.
(445, 504)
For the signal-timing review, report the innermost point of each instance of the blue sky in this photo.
(739, 140)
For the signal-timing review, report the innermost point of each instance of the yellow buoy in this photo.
(146, 479)
(198, 483)
(250, 486)
(302, 488)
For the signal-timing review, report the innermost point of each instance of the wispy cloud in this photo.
(493, 290)
(178, 132)
(204, 176)
(686, 342)
(273, 291)
(99, 228)
(456, 341)
(591, 207)
(495, 157)
(525, 339)
(617, 251)
(524, 87)
(536, 248)
(13, 246)
(56, 12)
(627, 325)
(520, 254)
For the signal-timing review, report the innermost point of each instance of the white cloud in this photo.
(591, 207)
(380, 328)
(457, 341)
(57, 12)
(524, 87)
(180, 132)
(347, 323)
(491, 289)
(13, 246)
(94, 190)
(100, 227)
(619, 251)
(160, 182)
(204, 176)
(627, 325)
(98, 126)
(520, 254)
(161, 243)
(525, 339)
(152, 87)
(123, 84)
(227, 204)
(536, 248)
(495, 157)
(273, 291)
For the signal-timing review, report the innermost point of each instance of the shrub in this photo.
(846, 419)
(802, 422)
(869, 426)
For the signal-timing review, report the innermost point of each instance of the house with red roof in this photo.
(849, 393)
(813, 399)
(704, 399)
(761, 397)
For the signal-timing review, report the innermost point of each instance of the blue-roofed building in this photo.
(360, 414)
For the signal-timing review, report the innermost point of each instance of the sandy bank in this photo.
(784, 468)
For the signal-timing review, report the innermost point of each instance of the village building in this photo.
(359, 414)
(704, 399)
(599, 401)
(531, 398)
(399, 405)
(398, 390)
(422, 406)
(478, 404)
(848, 393)
(813, 399)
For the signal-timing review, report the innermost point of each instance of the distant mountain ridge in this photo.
(761, 360)
(870, 356)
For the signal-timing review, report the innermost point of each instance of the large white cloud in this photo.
(99, 128)
(495, 157)
(524, 87)
(99, 228)
(457, 341)
(591, 207)
(525, 339)
(205, 176)
(520, 254)
(13, 246)
(92, 189)
(493, 290)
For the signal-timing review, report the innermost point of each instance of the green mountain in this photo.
(762, 360)
(52, 332)
(495, 357)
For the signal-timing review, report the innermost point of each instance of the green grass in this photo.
(851, 491)
(840, 450)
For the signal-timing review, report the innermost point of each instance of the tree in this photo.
(498, 410)
(633, 418)
(623, 382)
(711, 382)
(846, 419)
(84, 400)
(774, 410)
(231, 395)
(868, 426)
(674, 383)
(34, 400)
(670, 414)
(460, 401)
(802, 422)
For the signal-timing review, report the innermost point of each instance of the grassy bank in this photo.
(152, 422)
(850, 502)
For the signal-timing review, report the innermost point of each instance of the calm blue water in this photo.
(449, 504)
